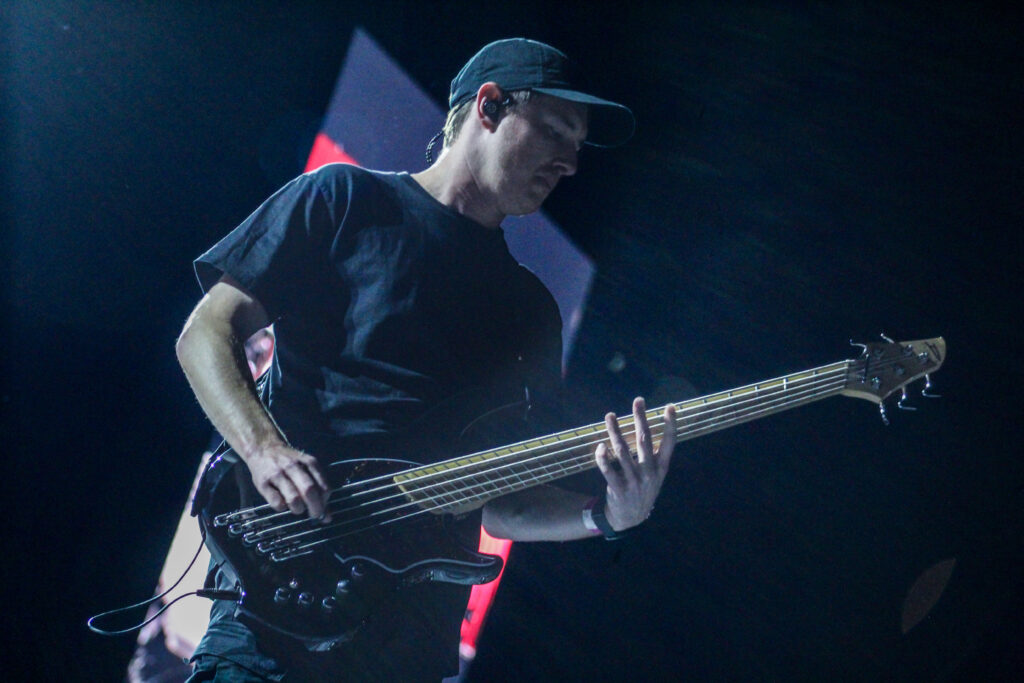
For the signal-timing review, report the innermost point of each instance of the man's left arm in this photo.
(633, 481)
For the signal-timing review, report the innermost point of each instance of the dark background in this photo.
(802, 174)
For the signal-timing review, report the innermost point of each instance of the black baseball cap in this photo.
(523, 64)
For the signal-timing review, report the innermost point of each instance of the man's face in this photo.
(535, 144)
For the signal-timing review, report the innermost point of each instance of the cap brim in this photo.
(610, 124)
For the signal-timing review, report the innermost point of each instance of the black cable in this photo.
(431, 144)
(205, 593)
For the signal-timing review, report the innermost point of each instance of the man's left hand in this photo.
(634, 479)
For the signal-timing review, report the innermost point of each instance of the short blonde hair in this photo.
(457, 115)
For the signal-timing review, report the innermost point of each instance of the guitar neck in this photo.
(464, 483)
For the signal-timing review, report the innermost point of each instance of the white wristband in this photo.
(588, 516)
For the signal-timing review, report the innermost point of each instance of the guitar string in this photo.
(566, 437)
(570, 466)
(694, 426)
(795, 392)
(580, 463)
(515, 461)
(596, 433)
(577, 464)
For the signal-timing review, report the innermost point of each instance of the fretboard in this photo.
(468, 481)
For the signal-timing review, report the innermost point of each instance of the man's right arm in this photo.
(212, 354)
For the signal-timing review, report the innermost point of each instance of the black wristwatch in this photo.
(595, 520)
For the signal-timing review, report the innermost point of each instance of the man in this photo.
(392, 294)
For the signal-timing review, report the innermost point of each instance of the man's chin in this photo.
(526, 211)
(527, 205)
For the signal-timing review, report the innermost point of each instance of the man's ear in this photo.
(488, 105)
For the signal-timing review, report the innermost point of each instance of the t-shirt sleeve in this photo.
(277, 250)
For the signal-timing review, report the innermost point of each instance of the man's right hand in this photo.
(290, 480)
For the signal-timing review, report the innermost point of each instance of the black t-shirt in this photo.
(386, 304)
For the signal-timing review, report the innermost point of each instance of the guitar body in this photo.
(321, 582)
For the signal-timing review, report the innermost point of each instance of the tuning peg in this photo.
(927, 386)
(901, 403)
(881, 411)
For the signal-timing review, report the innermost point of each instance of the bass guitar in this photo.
(391, 519)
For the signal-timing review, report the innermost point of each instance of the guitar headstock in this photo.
(887, 366)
